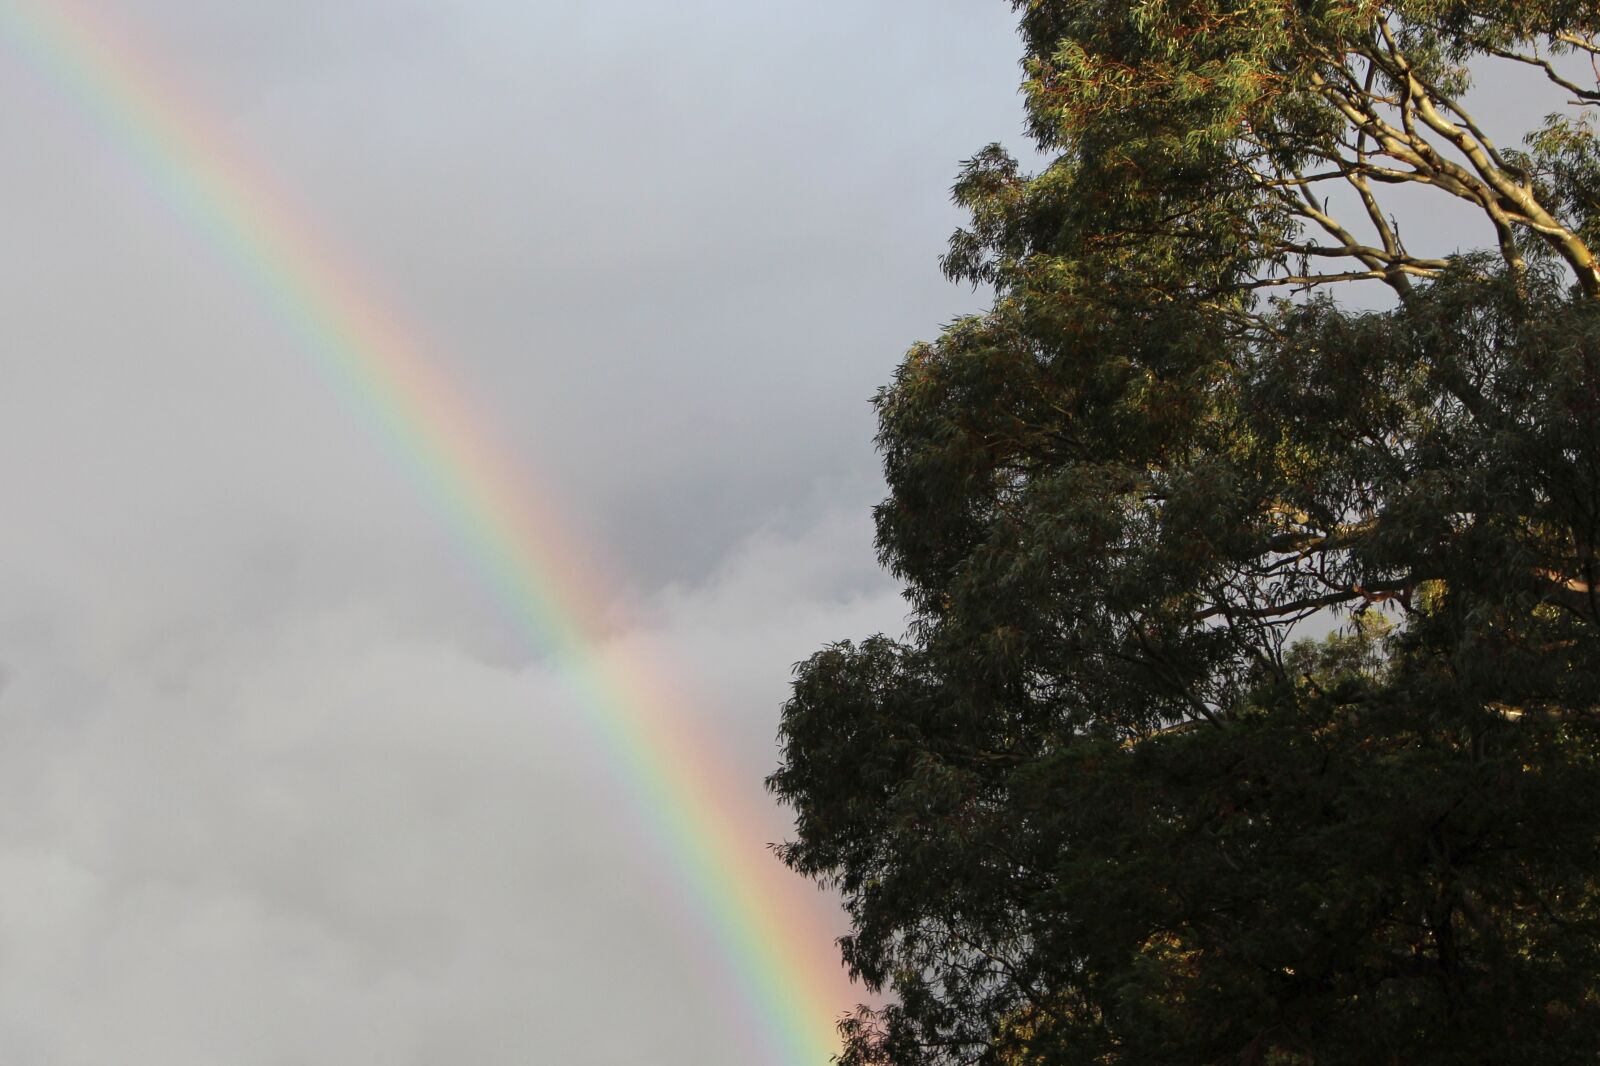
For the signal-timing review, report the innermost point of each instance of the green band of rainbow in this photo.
(790, 997)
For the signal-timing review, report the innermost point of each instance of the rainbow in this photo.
(766, 936)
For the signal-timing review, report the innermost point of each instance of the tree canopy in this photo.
(1113, 799)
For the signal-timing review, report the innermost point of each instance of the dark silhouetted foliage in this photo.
(1113, 799)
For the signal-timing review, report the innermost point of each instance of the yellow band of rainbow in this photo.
(788, 996)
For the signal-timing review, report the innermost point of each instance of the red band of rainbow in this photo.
(790, 995)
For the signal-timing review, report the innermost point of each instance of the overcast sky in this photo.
(279, 783)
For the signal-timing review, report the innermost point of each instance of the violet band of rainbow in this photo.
(514, 536)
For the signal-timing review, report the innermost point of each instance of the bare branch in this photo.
(1371, 594)
(1584, 96)
(1307, 281)
(1509, 196)
(1583, 44)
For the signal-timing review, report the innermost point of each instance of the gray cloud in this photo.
(281, 784)
(338, 835)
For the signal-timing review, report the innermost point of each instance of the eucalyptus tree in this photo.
(1112, 799)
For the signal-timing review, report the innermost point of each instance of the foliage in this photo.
(1103, 804)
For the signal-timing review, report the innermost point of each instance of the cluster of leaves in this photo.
(1101, 805)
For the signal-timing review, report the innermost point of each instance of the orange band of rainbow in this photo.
(790, 995)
